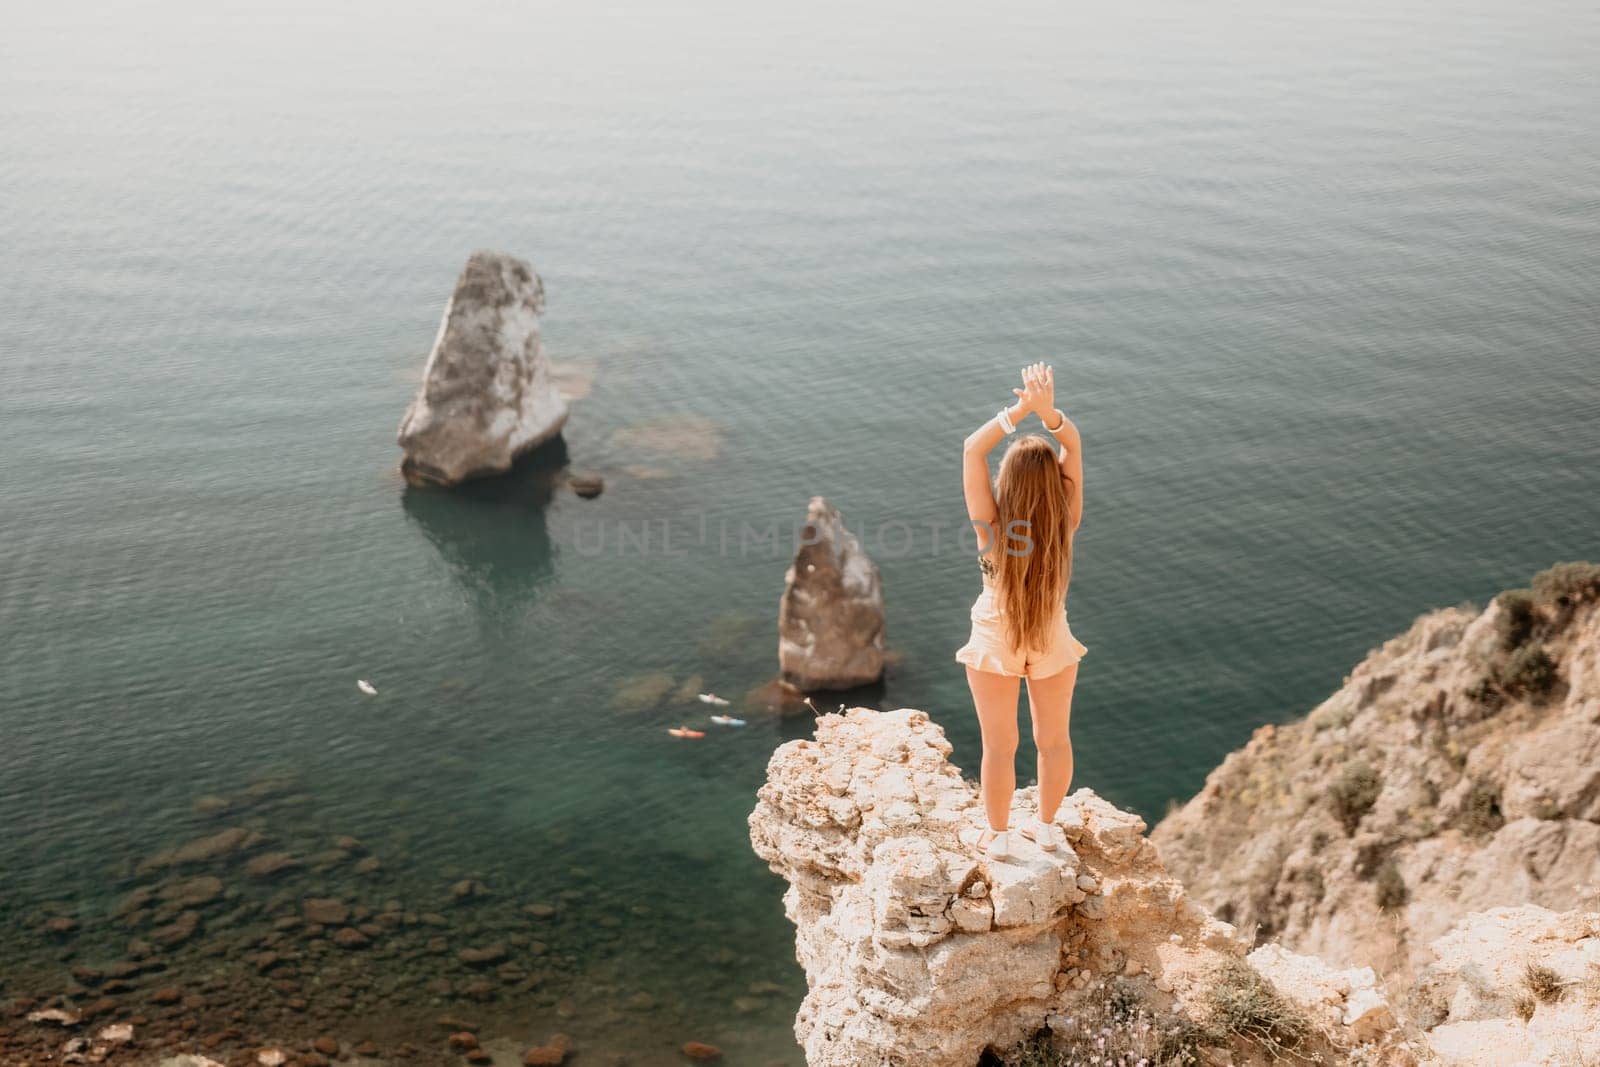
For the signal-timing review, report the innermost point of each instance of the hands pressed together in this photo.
(1038, 392)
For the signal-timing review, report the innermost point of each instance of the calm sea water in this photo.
(1319, 283)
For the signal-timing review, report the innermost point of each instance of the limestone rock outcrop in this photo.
(1515, 985)
(919, 952)
(487, 391)
(1457, 770)
(831, 617)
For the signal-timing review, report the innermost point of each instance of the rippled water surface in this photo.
(1319, 282)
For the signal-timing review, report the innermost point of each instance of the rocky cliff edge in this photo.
(919, 952)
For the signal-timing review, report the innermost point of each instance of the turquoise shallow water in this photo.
(1319, 285)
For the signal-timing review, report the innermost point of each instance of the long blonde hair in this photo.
(1033, 554)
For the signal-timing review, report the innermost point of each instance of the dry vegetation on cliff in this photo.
(1457, 770)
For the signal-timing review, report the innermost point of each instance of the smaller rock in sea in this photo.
(831, 615)
(587, 486)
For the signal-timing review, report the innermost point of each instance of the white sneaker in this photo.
(1047, 835)
(999, 846)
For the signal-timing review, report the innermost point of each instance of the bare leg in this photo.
(995, 697)
(1050, 707)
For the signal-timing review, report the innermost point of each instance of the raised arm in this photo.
(1066, 434)
(975, 451)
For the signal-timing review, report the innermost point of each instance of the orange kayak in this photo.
(684, 731)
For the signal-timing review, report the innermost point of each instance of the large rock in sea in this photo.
(918, 951)
(487, 392)
(831, 619)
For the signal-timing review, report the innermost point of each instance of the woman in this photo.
(1025, 524)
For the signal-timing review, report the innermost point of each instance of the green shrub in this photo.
(1354, 793)
(1122, 1001)
(1529, 672)
(1568, 583)
(1179, 1042)
(1369, 856)
(1481, 813)
(1391, 887)
(1244, 1004)
(1518, 612)
(1486, 695)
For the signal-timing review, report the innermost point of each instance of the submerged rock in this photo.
(487, 391)
(780, 696)
(229, 842)
(178, 931)
(192, 892)
(831, 617)
(325, 911)
(271, 865)
(917, 950)
(482, 957)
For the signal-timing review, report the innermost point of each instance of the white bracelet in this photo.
(1005, 422)
(1062, 425)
